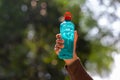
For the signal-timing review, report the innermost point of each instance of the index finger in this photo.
(58, 36)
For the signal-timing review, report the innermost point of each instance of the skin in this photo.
(60, 44)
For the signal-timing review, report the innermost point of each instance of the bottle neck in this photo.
(67, 20)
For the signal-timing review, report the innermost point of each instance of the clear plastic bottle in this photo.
(67, 33)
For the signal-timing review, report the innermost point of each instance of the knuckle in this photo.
(56, 40)
(62, 41)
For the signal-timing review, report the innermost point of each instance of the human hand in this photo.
(60, 44)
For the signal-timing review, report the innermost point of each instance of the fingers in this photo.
(57, 50)
(59, 41)
(58, 36)
(58, 47)
(59, 44)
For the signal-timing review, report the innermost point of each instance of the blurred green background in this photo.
(27, 38)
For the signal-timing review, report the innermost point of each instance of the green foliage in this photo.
(27, 39)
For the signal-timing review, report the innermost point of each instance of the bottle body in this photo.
(67, 34)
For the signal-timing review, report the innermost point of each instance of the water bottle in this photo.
(67, 34)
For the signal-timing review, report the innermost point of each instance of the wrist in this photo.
(70, 61)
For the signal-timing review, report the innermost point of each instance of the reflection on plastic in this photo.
(67, 33)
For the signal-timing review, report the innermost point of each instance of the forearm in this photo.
(77, 71)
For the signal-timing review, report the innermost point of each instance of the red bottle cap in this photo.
(67, 16)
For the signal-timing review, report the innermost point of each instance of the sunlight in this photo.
(103, 21)
(115, 70)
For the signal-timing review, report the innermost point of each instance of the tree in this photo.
(27, 38)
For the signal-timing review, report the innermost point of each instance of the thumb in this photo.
(75, 39)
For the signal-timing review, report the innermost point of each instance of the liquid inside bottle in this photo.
(67, 34)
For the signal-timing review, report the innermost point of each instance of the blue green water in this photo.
(67, 34)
